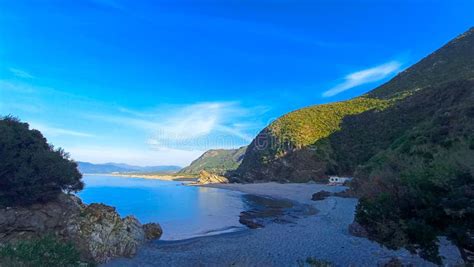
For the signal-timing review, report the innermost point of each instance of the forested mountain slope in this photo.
(409, 145)
(314, 142)
(217, 161)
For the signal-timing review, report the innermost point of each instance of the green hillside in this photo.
(216, 161)
(409, 144)
(452, 62)
(306, 126)
(308, 144)
(422, 186)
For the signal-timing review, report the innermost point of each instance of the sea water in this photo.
(183, 211)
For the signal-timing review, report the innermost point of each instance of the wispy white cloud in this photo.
(132, 155)
(49, 131)
(194, 126)
(364, 77)
(182, 131)
(201, 119)
(21, 73)
(124, 120)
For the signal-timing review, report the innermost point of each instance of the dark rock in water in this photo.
(248, 219)
(321, 195)
(358, 230)
(393, 262)
(152, 231)
(97, 231)
(263, 210)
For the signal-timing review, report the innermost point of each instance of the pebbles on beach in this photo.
(323, 236)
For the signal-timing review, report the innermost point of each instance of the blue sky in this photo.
(159, 82)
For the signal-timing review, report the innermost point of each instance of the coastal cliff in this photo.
(211, 178)
(41, 221)
(96, 231)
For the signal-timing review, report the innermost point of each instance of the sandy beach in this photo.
(323, 236)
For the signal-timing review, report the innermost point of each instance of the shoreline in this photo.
(162, 177)
(323, 236)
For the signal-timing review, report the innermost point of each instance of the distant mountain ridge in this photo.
(91, 168)
(217, 161)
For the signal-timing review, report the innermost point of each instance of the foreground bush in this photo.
(31, 170)
(42, 252)
(422, 187)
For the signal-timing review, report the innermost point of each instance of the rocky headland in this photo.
(97, 231)
(210, 178)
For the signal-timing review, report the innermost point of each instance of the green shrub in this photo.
(31, 170)
(46, 252)
(410, 198)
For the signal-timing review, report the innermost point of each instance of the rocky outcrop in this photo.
(210, 178)
(263, 210)
(152, 231)
(321, 195)
(100, 234)
(248, 218)
(96, 230)
(20, 223)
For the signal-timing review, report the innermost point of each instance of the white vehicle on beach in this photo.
(336, 180)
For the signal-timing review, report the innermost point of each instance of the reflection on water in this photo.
(182, 211)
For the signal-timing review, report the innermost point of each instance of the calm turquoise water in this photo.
(183, 211)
